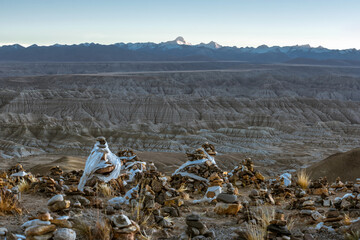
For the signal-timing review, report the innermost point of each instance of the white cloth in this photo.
(94, 163)
(181, 171)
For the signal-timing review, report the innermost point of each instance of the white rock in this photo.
(35, 222)
(54, 199)
(19, 236)
(308, 203)
(287, 178)
(64, 234)
(19, 174)
(326, 202)
(43, 237)
(3, 231)
(317, 216)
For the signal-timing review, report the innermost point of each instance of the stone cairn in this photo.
(44, 226)
(157, 184)
(124, 228)
(228, 203)
(245, 174)
(131, 164)
(277, 228)
(280, 191)
(196, 228)
(261, 196)
(195, 173)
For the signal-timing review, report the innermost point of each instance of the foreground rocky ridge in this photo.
(203, 203)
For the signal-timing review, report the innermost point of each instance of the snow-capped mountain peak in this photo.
(178, 41)
(212, 45)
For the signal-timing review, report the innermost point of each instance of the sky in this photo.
(333, 24)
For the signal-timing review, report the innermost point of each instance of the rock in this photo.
(77, 204)
(282, 230)
(332, 213)
(326, 202)
(195, 224)
(109, 210)
(308, 203)
(54, 199)
(121, 221)
(194, 231)
(254, 194)
(317, 216)
(308, 236)
(306, 212)
(41, 237)
(320, 191)
(226, 198)
(83, 200)
(58, 206)
(173, 212)
(193, 217)
(165, 223)
(3, 231)
(209, 234)
(227, 208)
(35, 222)
(44, 215)
(39, 230)
(64, 234)
(345, 204)
(62, 223)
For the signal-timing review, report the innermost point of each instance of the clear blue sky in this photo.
(330, 23)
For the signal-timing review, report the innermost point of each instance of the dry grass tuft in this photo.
(182, 188)
(255, 232)
(303, 179)
(102, 230)
(258, 231)
(23, 186)
(105, 190)
(354, 235)
(290, 223)
(84, 229)
(266, 214)
(9, 204)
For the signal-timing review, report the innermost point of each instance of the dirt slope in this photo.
(345, 165)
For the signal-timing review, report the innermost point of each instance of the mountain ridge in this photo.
(175, 50)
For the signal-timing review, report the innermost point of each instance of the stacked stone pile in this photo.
(132, 166)
(277, 228)
(195, 174)
(196, 229)
(123, 228)
(44, 226)
(245, 174)
(228, 203)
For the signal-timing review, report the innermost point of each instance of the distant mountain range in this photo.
(179, 50)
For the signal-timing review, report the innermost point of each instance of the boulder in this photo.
(64, 234)
(227, 208)
(39, 230)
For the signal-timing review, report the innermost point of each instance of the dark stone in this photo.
(280, 230)
(193, 217)
(332, 213)
(308, 236)
(195, 224)
(226, 198)
(209, 234)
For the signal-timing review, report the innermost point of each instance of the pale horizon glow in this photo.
(331, 24)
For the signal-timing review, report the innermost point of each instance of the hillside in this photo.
(344, 165)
